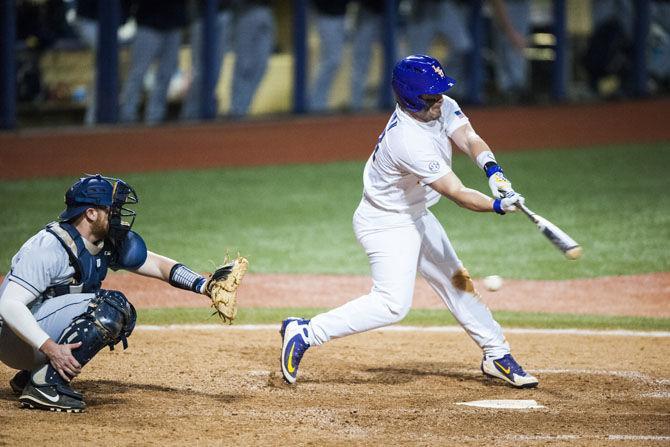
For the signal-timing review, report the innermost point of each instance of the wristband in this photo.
(491, 168)
(485, 158)
(497, 207)
(183, 277)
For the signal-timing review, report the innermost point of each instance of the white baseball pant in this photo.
(398, 245)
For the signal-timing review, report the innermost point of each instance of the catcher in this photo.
(54, 315)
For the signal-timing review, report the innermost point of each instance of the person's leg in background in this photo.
(454, 26)
(168, 61)
(88, 33)
(331, 43)
(512, 67)
(143, 51)
(254, 42)
(367, 32)
(422, 26)
(222, 44)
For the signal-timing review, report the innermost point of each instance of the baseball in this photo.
(493, 282)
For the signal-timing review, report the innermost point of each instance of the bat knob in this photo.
(574, 253)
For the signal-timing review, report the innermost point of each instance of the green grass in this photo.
(297, 219)
(416, 317)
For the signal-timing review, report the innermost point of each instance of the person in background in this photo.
(159, 27)
(446, 18)
(86, 26)
(659, 51)
(222, 44)
(330, 17)
(254, 42)
(512, 25)
(368, 30)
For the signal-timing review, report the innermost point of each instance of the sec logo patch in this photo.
(434, 166)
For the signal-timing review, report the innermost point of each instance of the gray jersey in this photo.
(40, 263)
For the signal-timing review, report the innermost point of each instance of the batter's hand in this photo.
(508, 203)
(500, 186)
(60, 357)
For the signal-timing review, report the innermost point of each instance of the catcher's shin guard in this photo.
(109, 319)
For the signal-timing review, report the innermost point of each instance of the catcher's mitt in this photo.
(221, 287)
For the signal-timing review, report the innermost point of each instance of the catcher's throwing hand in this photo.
(221, 287)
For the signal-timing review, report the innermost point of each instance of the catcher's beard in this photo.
(100, 227)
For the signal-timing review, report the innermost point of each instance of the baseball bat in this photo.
(570, 248)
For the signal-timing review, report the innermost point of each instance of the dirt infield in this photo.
(222, 387)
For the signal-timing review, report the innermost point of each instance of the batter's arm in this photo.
(468, 141)
(452, 188)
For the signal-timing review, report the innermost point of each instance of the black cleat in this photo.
(19, 381)
(52, 398)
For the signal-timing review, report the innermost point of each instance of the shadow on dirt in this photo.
(400, 374)
(106, 392)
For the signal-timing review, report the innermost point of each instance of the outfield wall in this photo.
(38, 153)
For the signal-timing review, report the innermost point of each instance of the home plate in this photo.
(507, 404)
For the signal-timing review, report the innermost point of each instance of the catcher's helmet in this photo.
(418, 75)
(96, 190)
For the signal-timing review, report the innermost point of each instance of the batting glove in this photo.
(507, 204)
(500, 186)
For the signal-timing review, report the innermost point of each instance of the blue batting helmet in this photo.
(418, 75)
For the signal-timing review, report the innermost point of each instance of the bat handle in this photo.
(527, 211)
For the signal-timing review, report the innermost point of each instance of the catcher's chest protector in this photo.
(89, 270)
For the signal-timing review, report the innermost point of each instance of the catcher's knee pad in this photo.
(109, 319)
(113, 315)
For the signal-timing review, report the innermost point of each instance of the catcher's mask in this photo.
(98, 191)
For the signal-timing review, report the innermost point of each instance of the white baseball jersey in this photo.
(408, 157)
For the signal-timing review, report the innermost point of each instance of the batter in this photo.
(408, 172)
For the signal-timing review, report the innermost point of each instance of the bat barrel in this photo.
(560, 239)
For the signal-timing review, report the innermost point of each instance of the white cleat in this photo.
(507, 369)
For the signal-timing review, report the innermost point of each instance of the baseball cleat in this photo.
(52, 398)
(295, 342)
(507, 369)
(19, 381)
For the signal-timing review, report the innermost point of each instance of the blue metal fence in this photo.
(107, 62)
